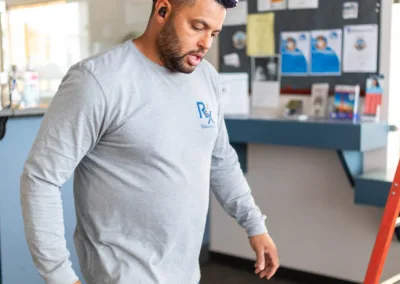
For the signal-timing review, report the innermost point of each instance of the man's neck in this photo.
(146, 43)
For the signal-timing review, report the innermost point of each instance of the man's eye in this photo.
(197, 28)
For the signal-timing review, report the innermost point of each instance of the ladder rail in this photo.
(385, 233)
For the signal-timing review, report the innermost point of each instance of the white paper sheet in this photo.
(265, 81)
(265, 94)
(360, 48)
(269, 5)
(232, 60)
(235, 93)
(350, 10)
(326, 52)
(238, 15)
(303, 4)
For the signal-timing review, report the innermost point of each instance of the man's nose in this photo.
(206, 42)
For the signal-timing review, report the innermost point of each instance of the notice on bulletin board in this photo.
(360, 48)
(265, 81)
(269, 5)
(303, 4)
(260, 34)
(326, 52)
(237, 16)
(295, 52)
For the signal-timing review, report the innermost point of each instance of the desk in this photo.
(349, 139)
(301, 174)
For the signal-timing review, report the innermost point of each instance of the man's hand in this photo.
(267, 255)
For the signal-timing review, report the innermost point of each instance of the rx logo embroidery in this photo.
(205, 114)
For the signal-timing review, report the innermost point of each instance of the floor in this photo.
(216, 272)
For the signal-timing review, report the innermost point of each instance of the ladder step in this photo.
(393, 280)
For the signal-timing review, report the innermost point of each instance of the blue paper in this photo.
(295, 52)
(326, 52)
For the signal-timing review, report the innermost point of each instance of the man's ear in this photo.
(163, 10)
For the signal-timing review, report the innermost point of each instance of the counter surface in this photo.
(310, 133)
(22, 112)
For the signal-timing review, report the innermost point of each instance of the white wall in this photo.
(311, 214)
(111, 21)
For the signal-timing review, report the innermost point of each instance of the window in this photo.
(49, 37)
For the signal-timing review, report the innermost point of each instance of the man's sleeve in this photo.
(229, 184)
(71, 127)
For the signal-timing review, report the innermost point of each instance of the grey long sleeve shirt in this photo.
(145, 146)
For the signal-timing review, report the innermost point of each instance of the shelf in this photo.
(323, 133)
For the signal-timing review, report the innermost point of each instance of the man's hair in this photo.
(226, 3)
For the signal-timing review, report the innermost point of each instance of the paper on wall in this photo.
(268, 5)
(237, 16)
(360, 48)
(235, 93)
(265, 94)
(326, 52)
(295, 52)
(232, 60)
(260, 34)
(303, 4)
(265, 81)
(350, 10)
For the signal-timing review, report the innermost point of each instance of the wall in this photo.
(311, 214)
(111, 21)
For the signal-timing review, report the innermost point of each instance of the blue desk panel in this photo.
(16, 263)
(372, 188)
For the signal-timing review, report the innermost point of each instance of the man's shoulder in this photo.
(107, 61)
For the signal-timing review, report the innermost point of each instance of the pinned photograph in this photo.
(265, 81)
(266, 68)
(239, 40)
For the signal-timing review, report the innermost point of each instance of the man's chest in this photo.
(168, 122)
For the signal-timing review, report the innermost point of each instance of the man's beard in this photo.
(169, 49)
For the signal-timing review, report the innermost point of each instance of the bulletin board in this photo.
(328, 15)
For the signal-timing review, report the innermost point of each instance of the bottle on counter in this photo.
(31, 94)
(15, 87)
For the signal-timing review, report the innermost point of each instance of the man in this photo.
(142, 129)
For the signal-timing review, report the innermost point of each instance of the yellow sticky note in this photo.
(260, 34)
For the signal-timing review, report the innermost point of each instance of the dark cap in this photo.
(226, 3)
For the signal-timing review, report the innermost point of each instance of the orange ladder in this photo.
(390, 221)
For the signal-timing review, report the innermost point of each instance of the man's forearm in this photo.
(234, 195)
(44, 228)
